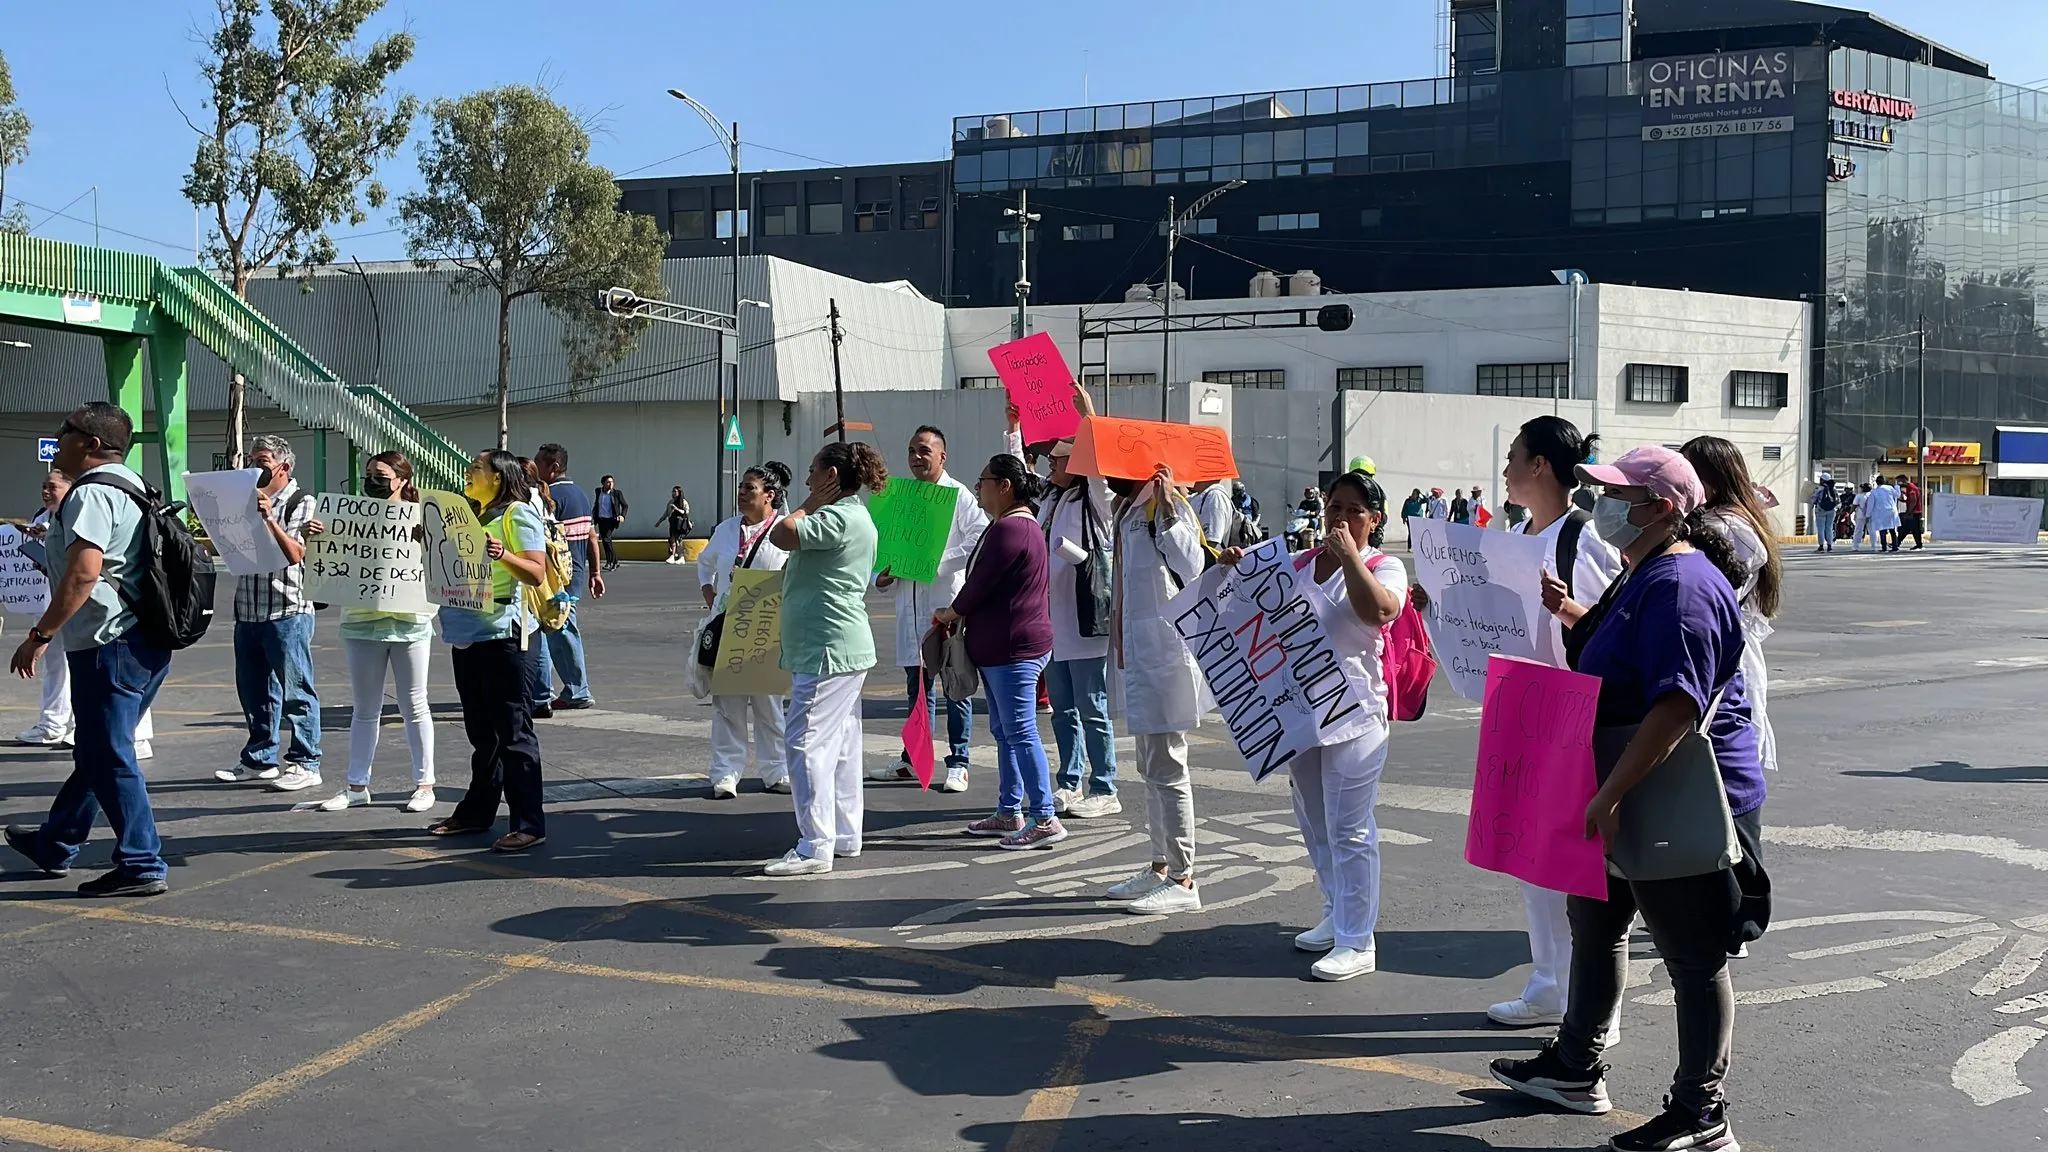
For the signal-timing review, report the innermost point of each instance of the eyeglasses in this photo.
(73, 429)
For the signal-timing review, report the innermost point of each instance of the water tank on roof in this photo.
(1305, 283)
(997, 128)
(1137, 293)
(1265, 285)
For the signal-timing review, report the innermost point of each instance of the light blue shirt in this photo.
(110, 520)
(461, 627)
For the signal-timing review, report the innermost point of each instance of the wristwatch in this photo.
(40, 636)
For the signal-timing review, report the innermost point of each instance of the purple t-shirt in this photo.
(1675, 627)
(1003, 599)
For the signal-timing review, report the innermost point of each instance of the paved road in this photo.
(336, 981)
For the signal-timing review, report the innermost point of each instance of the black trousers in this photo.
(1914, 524)
(606, 529)
(491, 679)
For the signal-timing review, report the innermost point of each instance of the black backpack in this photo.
(174, 604)
(1575, 522)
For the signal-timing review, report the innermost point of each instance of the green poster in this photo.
(914, 518)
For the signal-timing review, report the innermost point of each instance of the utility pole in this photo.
(1025, 219)
(1166, 302)
(838, 388)
(1920, 436)
(729, 460)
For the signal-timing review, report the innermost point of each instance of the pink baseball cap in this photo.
(1664, 472)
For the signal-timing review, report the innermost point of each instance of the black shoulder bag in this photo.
(714, 628)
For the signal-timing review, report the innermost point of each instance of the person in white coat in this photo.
(1541, 473)
(1733, 508)
(1161, 690)
(1884, 515)
(741, 541)
(1862, 518)
(54, 725)
(915, 604)
(1214, 510)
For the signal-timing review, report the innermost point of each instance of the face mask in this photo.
(264, 476)
(377, 486)
(1610, 520)
(482, 488)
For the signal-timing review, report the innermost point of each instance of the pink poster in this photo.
(1534, 777)
(917, 738)
(1039, 384)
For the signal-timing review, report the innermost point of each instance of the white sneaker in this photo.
(1061, 798)
(1166, 898)
(1519, 1013)
(725, 788)
(795, 863)
(1143, 881)
(242, 773)
(900, 770)
(143, 750)
(422, 800)
(1344, 963)
(42, 737)
(294, 779)
(780, 787)
(1095, 807)
(1320, 938)
(339, 802)
(956, 779)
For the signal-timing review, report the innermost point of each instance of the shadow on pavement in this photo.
(1396, 1130)
(1957, 772)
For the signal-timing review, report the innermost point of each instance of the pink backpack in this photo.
(1405, 659)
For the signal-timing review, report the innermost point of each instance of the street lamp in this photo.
(731, 141)
(1173, 224)
(15, 344)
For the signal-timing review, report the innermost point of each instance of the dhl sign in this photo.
(1942, 452)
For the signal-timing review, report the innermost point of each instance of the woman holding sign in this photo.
(742, 542)
(1336, 785)
(827, 648)
(490, 664)
(375, 640)
(1666, 642)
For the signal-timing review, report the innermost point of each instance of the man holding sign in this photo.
(916, 601)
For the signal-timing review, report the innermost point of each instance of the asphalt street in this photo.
(342, 981)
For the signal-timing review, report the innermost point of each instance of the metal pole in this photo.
(731, 460)
(1920, 435)
(1571, 371)
(1166, 299)
(1024, 217)
(838, 389)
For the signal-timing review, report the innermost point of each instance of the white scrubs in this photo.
(734, 545)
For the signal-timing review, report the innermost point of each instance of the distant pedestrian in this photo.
(1825, 502)
(1884, 515)
(1439, 508)
(741, 541)
(1862, 527)
(1481, 514)
(1914, 520)
(97, 568)
(678, 516)
(274, 637)
(1415, 505)
(1461, 509)
(562, 653)
(609, 514)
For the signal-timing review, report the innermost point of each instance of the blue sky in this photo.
(847, 83)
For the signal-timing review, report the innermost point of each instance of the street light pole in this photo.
(1920, 434)
(731, 141)
(1025, 219)
(1173, 224)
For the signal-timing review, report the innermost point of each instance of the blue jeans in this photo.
(1025, 778)
(1080, 714)
(273, 676)
(561, 652)
(959, 717)
(111, 687)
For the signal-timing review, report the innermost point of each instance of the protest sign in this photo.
(1485, 597)
(225, 503)
(1269, 662)
(458, 569)
(1108, 446)
(750, 646)
(1039, 384)
(1992, 519)
(23, 587)
(913, 520)
(369, 556)
(1534, 778)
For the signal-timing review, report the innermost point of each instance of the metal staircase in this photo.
(244, 338)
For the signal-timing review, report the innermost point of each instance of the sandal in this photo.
(517, 842)
(449, 827)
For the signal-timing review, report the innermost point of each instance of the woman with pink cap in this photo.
(1666, 641)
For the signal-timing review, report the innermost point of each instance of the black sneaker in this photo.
(1545, 1076)
(27, 839)
(566, 704)
(116, 884)
(1681, 1128)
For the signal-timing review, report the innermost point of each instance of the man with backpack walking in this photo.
(1825, 504)
(562, 654)
(274, 637)
(102, 570)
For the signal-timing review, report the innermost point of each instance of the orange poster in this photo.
(1133, 449)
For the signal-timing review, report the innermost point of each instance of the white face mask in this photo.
(1610, 520)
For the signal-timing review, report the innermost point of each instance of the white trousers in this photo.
(1335, 789)
(55, 717)
(1169, 800)
(729, 738)
(367, 660)
(823, 737)
(1550, 947)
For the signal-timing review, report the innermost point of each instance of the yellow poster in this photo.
(751, 647)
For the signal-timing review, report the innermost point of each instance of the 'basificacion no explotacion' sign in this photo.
(1722, 94)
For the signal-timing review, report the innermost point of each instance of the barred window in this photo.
(1655, 383)
(1094, 379)
(1249, 378)
(981, 381)
(1758, 389)
(1403, 378)
(1543, 380)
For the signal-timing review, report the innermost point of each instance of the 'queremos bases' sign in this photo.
(1725, 94)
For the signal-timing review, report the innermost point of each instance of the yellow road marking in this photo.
(69, 912)
(79, 1140)
(1045, 1116)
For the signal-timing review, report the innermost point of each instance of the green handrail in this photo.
(75, 270)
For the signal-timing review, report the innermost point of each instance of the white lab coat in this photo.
(1062, 517)
(1214, 511)
(1756, 628)
(716, 562)
(1162, 689)
(1884, 508)
(916, 602)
